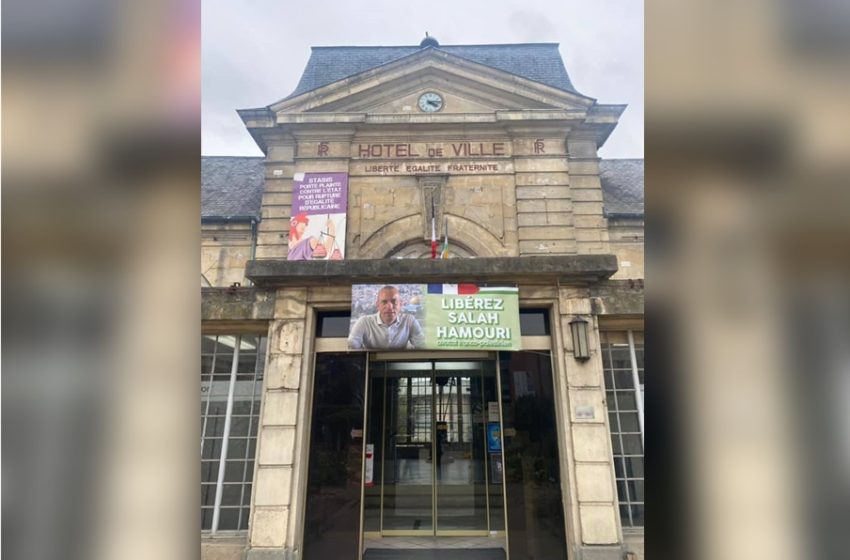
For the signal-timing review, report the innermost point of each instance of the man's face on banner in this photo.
(389, 305)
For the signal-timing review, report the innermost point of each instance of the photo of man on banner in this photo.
(389, 327)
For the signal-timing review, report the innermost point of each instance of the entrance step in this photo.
(434, 554)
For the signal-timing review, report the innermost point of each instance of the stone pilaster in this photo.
(595, 490)
(589, 223)
(272, 505)
(543, 206)
(276, 208)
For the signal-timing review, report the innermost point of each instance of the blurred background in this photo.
(100, 210)
(747, 255)
(748, 259)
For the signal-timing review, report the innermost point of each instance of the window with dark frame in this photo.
(333, 324)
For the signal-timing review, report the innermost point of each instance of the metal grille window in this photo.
(231, 389)
(414, 409)
(451, 400)
(622, 360)
(414, 405)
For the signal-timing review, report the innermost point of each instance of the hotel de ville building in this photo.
(423, 316)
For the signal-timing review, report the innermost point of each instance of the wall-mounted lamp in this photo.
(581, 346)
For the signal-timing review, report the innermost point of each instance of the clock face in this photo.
(430, 102)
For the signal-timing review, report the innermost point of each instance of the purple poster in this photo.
(319, 207)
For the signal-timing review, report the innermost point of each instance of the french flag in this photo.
(453, 289)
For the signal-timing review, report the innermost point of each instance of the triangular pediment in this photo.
(466, 87)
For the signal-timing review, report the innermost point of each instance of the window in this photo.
(333, 324)
(622, 361)
(532, 471)
(534, 322)
(231, 390)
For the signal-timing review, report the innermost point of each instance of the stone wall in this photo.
(627, 237)
(223, 548)
(225, 250)
(633, 542)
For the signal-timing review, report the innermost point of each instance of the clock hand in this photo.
(433, 103)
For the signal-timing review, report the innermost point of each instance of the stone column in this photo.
(272, 508)
(595, 489)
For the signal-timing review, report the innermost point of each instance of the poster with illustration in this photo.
(319, 211)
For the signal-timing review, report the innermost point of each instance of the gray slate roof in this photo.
(622, 186)
(540, 62)
(233, 186)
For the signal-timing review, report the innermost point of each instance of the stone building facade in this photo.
(509, 165)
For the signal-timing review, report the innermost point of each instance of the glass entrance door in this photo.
(433, 459)
(408, 445)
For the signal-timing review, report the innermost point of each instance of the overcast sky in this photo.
(253, 51)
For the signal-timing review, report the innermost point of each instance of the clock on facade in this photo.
(430, 102)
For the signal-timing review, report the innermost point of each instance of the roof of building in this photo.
(622, 186)
(540, 62)
(232, 187)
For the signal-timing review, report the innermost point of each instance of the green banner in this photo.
(434, 317)
(485, 320)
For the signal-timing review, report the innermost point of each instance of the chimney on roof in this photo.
(428, 42)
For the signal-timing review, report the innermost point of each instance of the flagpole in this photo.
(433, 231)
(445, 252)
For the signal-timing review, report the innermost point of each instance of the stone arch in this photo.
(386, 237)
(395, 236)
